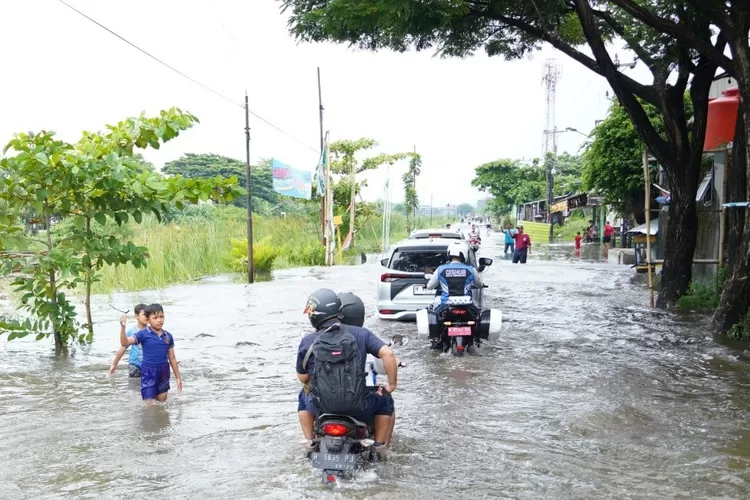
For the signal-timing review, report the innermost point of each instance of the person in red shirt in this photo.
(523, 246)
(578, 240)
(608, 232)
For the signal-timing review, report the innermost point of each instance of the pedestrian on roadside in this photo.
(523, 245)
(509, 244)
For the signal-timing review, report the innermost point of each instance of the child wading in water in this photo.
(134, 359)
(158, 354)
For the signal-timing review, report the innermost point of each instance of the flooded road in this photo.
(588, 394)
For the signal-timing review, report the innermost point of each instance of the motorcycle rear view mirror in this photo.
(485, 261)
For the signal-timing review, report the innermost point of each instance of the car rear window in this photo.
(418, 260)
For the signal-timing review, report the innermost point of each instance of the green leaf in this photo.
(100, 218)
(42, 157)
(41, 194)
(40, 336)
(138, 216)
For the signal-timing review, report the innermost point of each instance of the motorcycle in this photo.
(474, 243)
(459, 326)
(342, 444)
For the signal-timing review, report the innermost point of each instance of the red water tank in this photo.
(722, 119)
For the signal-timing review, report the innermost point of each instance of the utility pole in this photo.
(324, 204)
(430, 210)
(248, 177)
(551, 76)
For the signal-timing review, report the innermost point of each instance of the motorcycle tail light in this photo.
(335, 430)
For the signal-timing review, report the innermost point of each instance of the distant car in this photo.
(422, 234)
(402, 290)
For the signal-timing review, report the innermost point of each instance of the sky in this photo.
(64, 73)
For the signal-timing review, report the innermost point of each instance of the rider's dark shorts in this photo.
(374, 405)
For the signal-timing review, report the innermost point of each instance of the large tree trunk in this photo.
(682, 233)
(736, 183)
(735, 296)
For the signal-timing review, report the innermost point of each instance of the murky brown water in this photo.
(587, 395)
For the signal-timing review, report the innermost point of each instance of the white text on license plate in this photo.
(421, 290)
(459, 331)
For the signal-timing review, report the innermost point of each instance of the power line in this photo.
(205, 87)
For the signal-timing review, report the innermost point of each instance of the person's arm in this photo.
(302, 374)
(118, 356)
(124, 339)
(390, 364)
(175, 367)
(432, 283)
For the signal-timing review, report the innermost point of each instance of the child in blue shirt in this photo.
(158, 354)
(134, 358)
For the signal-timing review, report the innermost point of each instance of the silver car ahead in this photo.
(402, 290)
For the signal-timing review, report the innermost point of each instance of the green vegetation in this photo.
(702, 296)
(512, 183)
(86, 184)
(207, 240)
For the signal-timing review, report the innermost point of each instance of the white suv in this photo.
(402, 289)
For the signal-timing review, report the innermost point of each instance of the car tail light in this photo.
(335, 430)
(388, 277)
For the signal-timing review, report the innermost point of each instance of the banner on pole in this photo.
(291, 182)
(320, 173)
(347, 241)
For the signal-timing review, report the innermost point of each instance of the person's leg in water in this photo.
(306, 418)
(524, 252)
(516, 256)
(380, 407)
(154, 382)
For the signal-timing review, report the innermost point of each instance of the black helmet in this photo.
(352, 308)
(322, 304)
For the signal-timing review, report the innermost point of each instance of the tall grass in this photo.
(210, 240)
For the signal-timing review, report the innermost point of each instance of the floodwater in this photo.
(588, 394)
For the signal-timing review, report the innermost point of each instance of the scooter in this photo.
(342, 444)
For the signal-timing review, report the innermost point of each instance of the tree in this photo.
(411, 200)
(94, 180)
(510, 183)
(732, 18)
(613, 162)
(568, 169)
(514, 29)
(465, 208)
(208, 166)
(344, 163)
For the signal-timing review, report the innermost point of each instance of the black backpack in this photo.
(338, 376)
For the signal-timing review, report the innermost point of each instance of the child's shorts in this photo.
(154, 380)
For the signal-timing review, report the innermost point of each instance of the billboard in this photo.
(291, 182)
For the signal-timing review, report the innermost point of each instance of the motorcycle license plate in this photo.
(459, 331)
(334, 461)
(421, 290)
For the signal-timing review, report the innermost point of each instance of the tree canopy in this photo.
(208, 166)
(512, 183)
